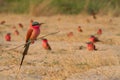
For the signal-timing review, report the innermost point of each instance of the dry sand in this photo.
(66, 61)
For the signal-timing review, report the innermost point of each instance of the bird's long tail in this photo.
(24, 53)
(49, 47)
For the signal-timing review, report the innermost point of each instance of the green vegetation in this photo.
(68, 6)
(50, 7)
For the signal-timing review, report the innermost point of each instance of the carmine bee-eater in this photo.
(99, 32)
(45, 44)
(91, 46)
(79, 29)
(20, 25)
(8, 37)
(93, 39)
(32, 35)
(93, 13)
(70, 34)
(16, 32)
(2, 22)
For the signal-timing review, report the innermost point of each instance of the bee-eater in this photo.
(45, 44)
(91, 46)
(8, 37)
(31, 35)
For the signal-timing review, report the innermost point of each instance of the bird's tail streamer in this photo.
(24, 53)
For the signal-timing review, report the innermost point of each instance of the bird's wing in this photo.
(29, 33)
(34, 34)
(48, 47)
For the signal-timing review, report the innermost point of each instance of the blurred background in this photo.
(52, 7)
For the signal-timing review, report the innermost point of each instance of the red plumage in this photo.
(93, 39)
(16, 32)
(70, 34)
(91, 46)
(45, 44)
(99, 32)
(8, 37)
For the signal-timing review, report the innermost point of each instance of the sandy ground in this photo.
(66, 61)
